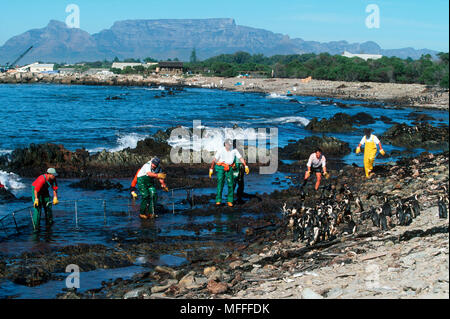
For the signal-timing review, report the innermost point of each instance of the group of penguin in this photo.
(332, 215)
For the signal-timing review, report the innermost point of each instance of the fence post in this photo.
(32, 221)
(173, 204)
(15, 222)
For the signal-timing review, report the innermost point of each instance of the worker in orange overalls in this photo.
(370, 143)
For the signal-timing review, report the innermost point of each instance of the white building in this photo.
(362, 56)
(36, 68)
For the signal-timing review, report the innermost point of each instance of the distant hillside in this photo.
(162, 39)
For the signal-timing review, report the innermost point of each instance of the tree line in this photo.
(324, 66)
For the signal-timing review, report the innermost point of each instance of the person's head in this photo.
(318, 152)
(368, 132)
(51, 173)
(155, 162)
(228, 144)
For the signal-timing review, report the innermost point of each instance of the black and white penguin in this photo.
(415, 207)
(359, 204)
(387, 210)
(383, 219)
(375, 217)
(400, 213)
(442, 208)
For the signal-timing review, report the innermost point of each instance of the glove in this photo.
(326, 175)
(162, 176)
(308, 174)
(382, 152)
(55, 200)
(211, 173)
(247, 170)
(36, 203)
(166, 189)
(358, 150)
(133, 193)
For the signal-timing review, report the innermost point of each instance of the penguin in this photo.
(375, 217)
(383, 220)
(415, 207)
(387, 210)
(359, 204)
(442, 208)
(400, 213)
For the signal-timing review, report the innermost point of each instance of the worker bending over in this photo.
(223, 164)
(370, 150)
(146, 177)
(41, 197)
(316, 163)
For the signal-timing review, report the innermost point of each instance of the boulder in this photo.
(302, 149)
(423, 136)
(216, 288)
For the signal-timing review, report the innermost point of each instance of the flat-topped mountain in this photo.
(171, 38)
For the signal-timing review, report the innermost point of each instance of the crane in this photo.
(10, 66)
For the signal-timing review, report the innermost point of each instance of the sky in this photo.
(402, 23)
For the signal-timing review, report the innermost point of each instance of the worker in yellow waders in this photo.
(370, 143)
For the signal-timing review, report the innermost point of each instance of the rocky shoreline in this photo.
(401, 262)
(403, 95)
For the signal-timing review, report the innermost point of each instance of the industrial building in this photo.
(36, 68)
(362, 56)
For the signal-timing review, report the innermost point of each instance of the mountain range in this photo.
(163, 39)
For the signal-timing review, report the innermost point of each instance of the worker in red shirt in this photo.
(41, 197)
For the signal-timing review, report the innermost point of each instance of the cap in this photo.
(52, 171)
(156, 161)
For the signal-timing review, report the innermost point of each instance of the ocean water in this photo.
(80, 116)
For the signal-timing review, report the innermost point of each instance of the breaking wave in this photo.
(11, 181)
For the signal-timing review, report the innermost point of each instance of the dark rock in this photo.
(30, 276)
(330, 146)
(363, 118)
(340, 122)
(386, 120)
(6, 196)
(423, 136)
(95, 184)
(420, 117)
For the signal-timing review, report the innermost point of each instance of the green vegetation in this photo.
(327, 67)
(320, 66)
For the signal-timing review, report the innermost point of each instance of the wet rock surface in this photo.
(265, 261)
(340, 122)
(95, 184)
(6, 196)
(331, 147)
(423, 135)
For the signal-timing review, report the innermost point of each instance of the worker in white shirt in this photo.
(316, 164)
(223, 162)
(370, 150)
